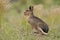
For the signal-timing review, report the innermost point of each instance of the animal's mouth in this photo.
(24, 13)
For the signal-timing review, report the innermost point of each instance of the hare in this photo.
(36, 22)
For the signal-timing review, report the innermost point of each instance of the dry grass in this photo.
(15, 26)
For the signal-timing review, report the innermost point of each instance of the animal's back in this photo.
(36, 20)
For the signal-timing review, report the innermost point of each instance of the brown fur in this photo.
(36, 22)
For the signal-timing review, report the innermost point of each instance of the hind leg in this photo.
(38, 30)
(41, 31)
(34, 30)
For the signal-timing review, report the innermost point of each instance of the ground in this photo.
(15, 26)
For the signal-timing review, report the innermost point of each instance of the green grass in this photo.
(14, 25)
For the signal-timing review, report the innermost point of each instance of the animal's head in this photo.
(29, 11)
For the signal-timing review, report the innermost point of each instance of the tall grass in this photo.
(14, 25)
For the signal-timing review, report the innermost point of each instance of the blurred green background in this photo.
(14, 26)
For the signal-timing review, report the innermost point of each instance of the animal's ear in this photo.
(31, 8)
